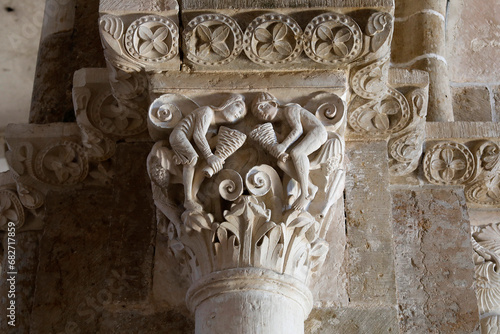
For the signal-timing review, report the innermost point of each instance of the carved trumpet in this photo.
(228, 142)
(264, 134)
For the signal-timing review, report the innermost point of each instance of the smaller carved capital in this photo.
(474, 164)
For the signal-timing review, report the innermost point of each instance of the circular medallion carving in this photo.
(213, 39)
(64, 163)
(152, 38)
(448, 163)
(333, 39)
(273, 39)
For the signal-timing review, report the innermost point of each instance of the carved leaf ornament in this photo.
(486, 245)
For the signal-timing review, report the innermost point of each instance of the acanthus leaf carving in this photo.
(486, 245)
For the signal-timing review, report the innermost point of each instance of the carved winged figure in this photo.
(188, 140)
(307, 135)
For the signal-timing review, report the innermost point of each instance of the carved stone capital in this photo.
(473, 164)
(257, 195)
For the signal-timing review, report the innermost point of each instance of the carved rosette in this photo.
(213, 39)
(476, 165)
(273, 39)
(486, 245)
(146, 42)
(333, 39)
(152, 39)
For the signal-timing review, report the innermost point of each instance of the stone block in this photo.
(352, 321)
(368, 221)
(26, 254)
(471, 104)
(91, 258)
(139, 321)
(472, 36)
(434, 269)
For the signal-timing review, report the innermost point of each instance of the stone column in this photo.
(419, 42)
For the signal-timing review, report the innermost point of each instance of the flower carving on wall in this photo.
(152, 39)
(378, 116)
(389, 115)
(448, 163)
(273, 39)
(333, 39)
(125, 119)
(213, 39)
(63, 163)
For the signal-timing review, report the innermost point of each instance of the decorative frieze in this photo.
(474, 164)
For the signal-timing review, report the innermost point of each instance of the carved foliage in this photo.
(486, 245)
(11, 209)
(405, 147)
(247, 237)
(485, 189)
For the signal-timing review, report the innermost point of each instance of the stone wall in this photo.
(402, 259)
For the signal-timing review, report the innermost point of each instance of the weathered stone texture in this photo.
(472, 35)
(93, 258)
(218, 4)
(434, 269)
(369, 230)
(26, 249)
(60, 55)
(471, 104)
(133, 321)
(352, 320)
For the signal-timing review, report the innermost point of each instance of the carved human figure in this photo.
(303, 124)
(194, 127)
